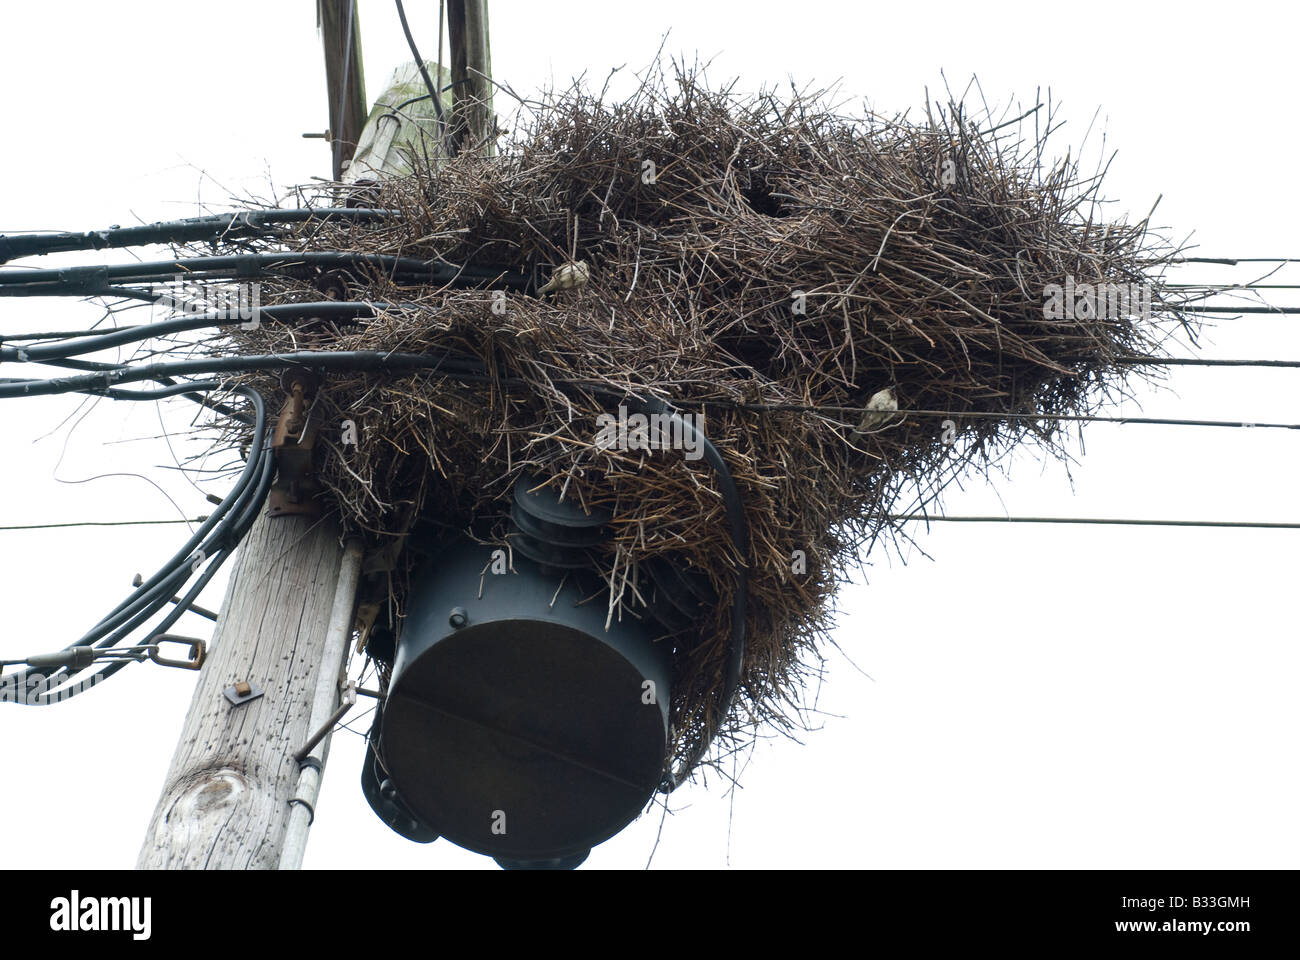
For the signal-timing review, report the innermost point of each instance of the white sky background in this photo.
(1040, 696)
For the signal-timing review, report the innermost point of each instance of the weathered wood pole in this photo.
(473, 125)
(225, 803)
(228, 801)
(341, 35)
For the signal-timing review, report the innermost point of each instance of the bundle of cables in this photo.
(51, 678)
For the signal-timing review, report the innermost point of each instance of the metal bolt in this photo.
(458, 617)
(242, 692)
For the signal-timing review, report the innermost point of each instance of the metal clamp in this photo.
(292, 444)
(198, 651)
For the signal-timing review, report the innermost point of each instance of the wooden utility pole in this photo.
(235, 796)
(473, 124)
(225, 804)
(341, 34)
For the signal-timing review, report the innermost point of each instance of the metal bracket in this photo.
(198, 651)
(242, 692)
(367, 613)
(349, 701)
(292, 445)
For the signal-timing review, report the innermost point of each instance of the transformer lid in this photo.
(524, 740)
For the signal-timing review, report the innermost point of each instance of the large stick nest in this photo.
(922, 251)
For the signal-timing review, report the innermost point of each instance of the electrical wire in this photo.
(1232, 261)
(58, 334)
(463, 367)
(424, 72)
(1204, 309)
(983, 415)
(213, 543)
(325, 310)
(1107, 521)
(241, 527)
(198, 398)
(84, 280)
(468, 368)
(1227, 287)
(94, 523)
(88, 341)
(1202, 362)
(217, 227)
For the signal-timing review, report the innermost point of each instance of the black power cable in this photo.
(103, 381)
(198, 398)
(424, 72)
(90, 280)
(325, 310)
(243, 225)
(237, 533)
(213, 543)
